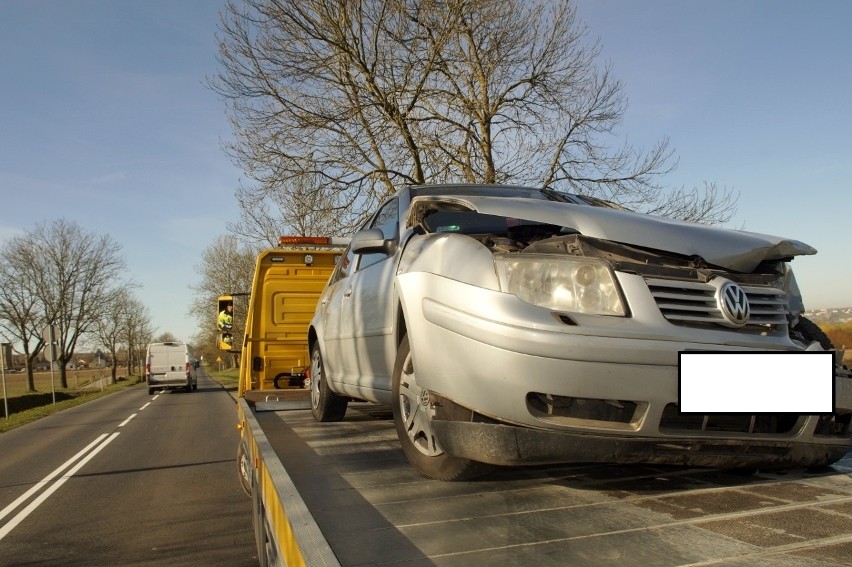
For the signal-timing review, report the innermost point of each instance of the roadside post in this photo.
(49, 336)
(5, 361)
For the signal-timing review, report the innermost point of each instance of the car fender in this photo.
(454, 256)
(451, 255)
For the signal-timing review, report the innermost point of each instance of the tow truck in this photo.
(328, 494)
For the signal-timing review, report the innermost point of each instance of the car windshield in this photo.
(473, 223)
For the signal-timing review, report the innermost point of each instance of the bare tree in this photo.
(166, 337)
(350, 99)
(113, 325)
(712, 206)
(21, 312)
(75, 275)
(138, 333)
(300, 207)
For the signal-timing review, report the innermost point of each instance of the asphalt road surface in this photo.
(128, 479)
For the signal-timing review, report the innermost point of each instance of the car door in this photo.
(337, 331)
(367, 312)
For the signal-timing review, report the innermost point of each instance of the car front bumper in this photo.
(488, 352)
(511, 445)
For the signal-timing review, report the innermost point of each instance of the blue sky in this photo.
(753, 95)
(105, 120)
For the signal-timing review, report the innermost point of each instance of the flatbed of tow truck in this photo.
(348, 497)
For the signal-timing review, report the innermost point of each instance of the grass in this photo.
(229, 379)
(25, 407)
(839, 333)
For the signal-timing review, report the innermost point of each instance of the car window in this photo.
(473, 223)
(344, 266)
(387, 219)
(465, 222)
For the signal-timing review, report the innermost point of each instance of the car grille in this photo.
(694, 304)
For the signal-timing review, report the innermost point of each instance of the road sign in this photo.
(5, 356)
(50, 336)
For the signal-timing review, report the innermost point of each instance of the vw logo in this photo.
(733, 303)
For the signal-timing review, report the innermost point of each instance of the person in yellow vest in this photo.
(226, 318)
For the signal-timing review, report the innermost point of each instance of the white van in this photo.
(171, 365)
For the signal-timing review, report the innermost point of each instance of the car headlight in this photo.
(578, 285)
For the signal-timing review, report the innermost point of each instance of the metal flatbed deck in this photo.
(351, 497)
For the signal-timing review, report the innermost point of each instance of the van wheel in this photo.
(412, 418)
(150, 391)
(325, 404)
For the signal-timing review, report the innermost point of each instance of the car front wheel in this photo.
(412, 416)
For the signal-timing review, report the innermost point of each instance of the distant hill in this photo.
(830, 315)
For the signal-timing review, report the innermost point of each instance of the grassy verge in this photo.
(841, 336)
(25, 407)
(29, 407)
(230, 379)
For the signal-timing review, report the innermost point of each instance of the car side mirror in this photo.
(371, 241)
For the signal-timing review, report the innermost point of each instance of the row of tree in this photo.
(59, 274)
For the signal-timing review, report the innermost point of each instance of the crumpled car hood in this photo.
(731, 249)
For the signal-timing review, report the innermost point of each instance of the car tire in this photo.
(150, 391)
(325, 404)
(413, 423)
(810, 331)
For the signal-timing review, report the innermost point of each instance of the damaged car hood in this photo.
(731, 249)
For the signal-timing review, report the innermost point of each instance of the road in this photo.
(128, 479)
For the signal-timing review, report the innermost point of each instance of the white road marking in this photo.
(123, 423)
(92, 449)
(49, 477)
(11, 524)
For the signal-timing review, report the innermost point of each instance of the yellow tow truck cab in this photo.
(287, 284)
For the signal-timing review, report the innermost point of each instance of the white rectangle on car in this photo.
(756, 382)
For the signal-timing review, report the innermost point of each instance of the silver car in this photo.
(509, 325)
